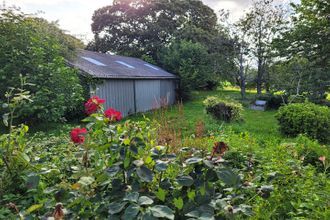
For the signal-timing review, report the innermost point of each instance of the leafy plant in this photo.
(13, 144)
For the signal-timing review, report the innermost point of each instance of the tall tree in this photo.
(263, 22)
(238, 51)
(139, 27)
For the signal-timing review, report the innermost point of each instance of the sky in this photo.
(74, 16)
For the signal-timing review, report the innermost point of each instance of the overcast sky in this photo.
(74, 16)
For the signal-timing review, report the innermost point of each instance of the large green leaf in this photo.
(113, 170)
(132, 197)
(185, 180)
(202, 213)
(229, 177)
(160, 166)
(116, 207)
(193, 160)
(161, 211)
(145, 174)
(144, 200)
(147, 216)
(131, 212)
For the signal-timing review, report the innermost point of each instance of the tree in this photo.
(239, 51)
(263, 22)
(136, 28)
(35, 49)
(309, 39)
(190, 61)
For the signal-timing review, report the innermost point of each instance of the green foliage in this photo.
(262, 23)
(34, 48)
(305, 118)
(305, 44)
(120, 172)
(13, 145)
(223, 109)
(190, 61)
(301, 79)
(135, 28)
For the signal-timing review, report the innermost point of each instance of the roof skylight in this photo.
(125, 64)
(150, 66)
(96, 62)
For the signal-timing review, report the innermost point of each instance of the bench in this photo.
(259, 105)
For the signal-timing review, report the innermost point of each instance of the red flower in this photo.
(77, 135)
(93, 104)
(112, 114)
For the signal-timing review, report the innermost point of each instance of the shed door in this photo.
(147, 94)
(119, 94)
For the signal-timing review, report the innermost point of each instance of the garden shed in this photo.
(128, 84)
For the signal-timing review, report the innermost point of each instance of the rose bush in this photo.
(117, 171)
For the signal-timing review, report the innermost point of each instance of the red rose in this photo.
(112, 114)
(93, 104)
(77, 135)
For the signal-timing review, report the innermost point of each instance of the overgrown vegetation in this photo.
(36, 49)
(118, 170)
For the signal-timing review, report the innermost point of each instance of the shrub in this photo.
(222, 109)
(305, 118)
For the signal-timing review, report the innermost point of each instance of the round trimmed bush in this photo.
(305, 118)
(222, 109)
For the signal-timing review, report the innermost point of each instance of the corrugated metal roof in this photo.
(100, 65)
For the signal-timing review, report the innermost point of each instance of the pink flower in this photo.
(113, 114)
(78, 135)
(93, 104)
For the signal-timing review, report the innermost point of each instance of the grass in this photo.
(262, 125)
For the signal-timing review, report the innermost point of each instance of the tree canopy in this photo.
(143, 27)
(308, 39)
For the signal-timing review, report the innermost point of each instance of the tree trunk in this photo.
(241, 75)
(243, 88)
(260, 60)
(259, 77)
